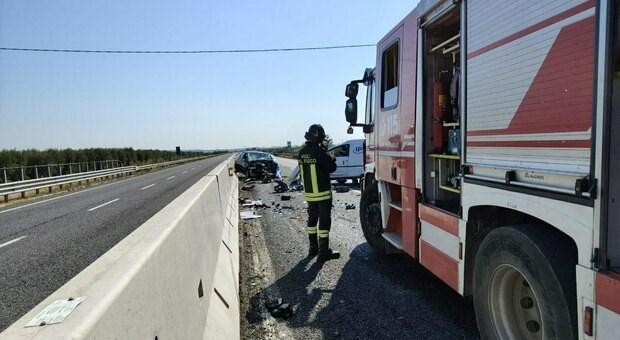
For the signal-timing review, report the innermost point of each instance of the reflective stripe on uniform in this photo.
(314, 178)
(311, 230)
(323, 233)
(321, 196)
(301, 174)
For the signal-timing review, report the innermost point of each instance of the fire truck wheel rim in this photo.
(514, 309)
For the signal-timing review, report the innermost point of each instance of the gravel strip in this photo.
(359, 296)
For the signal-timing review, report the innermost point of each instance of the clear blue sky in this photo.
(201, 101)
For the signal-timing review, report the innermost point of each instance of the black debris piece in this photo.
(342, 188)
(281, 186)
(284, 311)
(273, 304)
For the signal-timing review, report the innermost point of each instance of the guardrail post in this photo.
(36, 171)
(79, 167)
(5, 180)
(70, 169)
(60, 169)
(22, 171)
(49, 171)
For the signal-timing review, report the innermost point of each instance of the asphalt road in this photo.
(46, 242)
(362, 295)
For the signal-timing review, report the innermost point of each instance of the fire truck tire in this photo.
(524, 285)
(370, 218)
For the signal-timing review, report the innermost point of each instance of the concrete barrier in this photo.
(175, 277)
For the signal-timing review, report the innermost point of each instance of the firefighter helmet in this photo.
(315, 134)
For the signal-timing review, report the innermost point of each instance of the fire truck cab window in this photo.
(389, 77)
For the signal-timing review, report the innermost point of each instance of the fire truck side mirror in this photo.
(367, 128)
(351, 90)
(350, 111)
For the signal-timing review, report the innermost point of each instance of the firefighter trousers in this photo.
(319, 215)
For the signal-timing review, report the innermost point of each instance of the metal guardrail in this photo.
(22, 187)
(59, 178)
(37, 184)
(27, 172)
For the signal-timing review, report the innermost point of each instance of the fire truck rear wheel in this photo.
(370, 218)
(524, 285)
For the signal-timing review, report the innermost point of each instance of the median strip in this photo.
(148, 186)
(12, 241)
(104, 204)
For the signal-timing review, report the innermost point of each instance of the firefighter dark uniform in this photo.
(315, 165)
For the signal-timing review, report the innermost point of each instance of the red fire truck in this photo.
(493, 157)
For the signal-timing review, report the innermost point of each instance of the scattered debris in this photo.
(285, 197)
(284, 311)
(255, 204)
(273, 304)
(247, 187)
(281, 187)
(248, 215)
(349, 206)
(277, 309)
(342, 188)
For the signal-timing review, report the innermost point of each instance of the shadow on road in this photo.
(375, 297)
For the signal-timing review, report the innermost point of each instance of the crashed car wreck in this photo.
(257, 165)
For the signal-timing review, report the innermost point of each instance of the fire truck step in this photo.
(394, 239)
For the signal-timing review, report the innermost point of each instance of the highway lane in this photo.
(45, 243)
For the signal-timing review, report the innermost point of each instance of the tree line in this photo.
(127, 156)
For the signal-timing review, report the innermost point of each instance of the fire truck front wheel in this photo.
(370, 218)
(524, 285)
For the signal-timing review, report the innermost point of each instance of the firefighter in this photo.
(315, 166)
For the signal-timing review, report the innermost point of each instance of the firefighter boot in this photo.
(325, 253)
(313, 249)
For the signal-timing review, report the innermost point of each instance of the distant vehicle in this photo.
(350, 160)
(257, 164)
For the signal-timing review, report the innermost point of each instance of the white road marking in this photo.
(193, 168)
(104, 204)
(171, 177)
(148, 186)
(184, 172)
(12, 241)
(52, 199)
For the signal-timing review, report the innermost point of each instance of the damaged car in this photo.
(257, 165)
